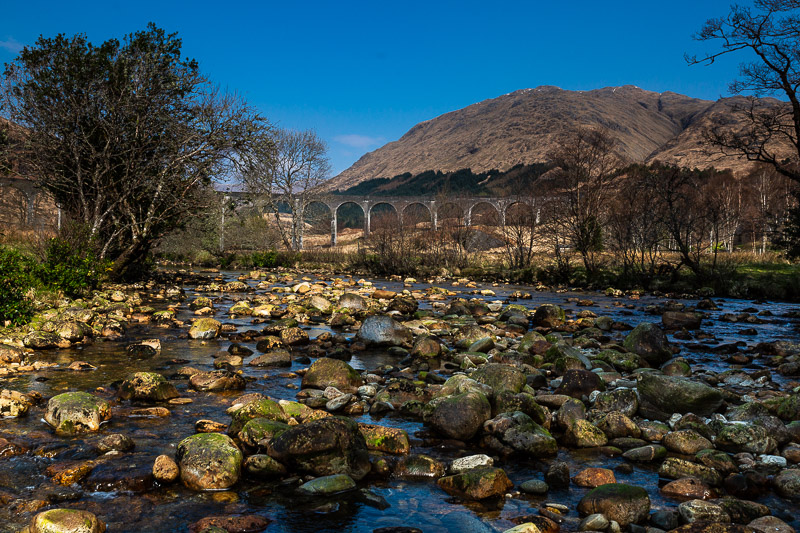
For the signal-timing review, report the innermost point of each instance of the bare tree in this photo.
(770, 130)
(635, 231)
(585, 163)
(520, 231)
(288, 177)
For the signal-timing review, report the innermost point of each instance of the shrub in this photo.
(15, 282)
(68, 269)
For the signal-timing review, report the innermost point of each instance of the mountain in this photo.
(520, 128)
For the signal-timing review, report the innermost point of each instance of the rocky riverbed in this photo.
(276, 402)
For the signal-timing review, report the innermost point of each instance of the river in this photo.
(121, 494)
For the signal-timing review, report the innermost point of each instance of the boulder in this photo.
(11, 354)
(625, 504)
(500, 377)
(165, 470)
(745, 438)
(66, 521)
(217, 381)
(686, 441)
(76, 412)
(583, 434)
(681, 319)
(579, 383)
(461, 416)
(518, 431)
(326, 485)
(594, 477)
(14, 404)
(274, 358)
(650, 342)
(323, 447)
(352, 301)
(660, 396)
(549, 316)
(209, 461)
(205, 328)
(383, 330)
(787, 483)
(419, 466)
(148, 387)
(477, 484)
(385, 439)
(327, 372)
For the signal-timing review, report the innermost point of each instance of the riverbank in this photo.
(450, 405)
(740, 275)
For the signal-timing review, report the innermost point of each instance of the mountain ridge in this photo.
(522, 126)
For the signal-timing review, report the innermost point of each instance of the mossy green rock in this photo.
(327, 372)
(660, 396)
(66, 521)
(76, 412)
(583, 434)
(205, 328)
(261, 428)
(325, 485)
(41, 340)
(507, 401)
(385, 439)
(467, 335)
(500, 377)
(200, 302)
(626, 504)
(520, 432)
(650, 342)
(241, 308)
(265, 408)
(623, 400)
(477, 484)
(686, 441)
(147, 386)
(624, 362)
(745, 438)
(324, 447)
(461, 416)
(209, 461)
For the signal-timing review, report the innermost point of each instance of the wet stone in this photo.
(66, 521)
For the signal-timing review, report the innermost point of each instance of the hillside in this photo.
(520, 128)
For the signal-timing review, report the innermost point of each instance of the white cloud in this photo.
(12, 45)
(358, 141)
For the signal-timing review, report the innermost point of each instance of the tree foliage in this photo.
(125, 135)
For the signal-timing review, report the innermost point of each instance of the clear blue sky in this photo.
(363, 73)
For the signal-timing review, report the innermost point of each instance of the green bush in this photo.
(68, 269)
(15, 281)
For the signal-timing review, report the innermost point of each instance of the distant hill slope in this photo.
(522, 127)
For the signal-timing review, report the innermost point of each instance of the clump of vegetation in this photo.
(15, 282)
(69, 269)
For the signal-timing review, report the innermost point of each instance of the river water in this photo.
(119, 492)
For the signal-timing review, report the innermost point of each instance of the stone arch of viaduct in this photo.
(400, 203)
